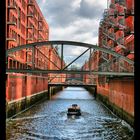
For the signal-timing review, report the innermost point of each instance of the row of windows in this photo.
(13, 34)
(38, 24)
(31, 10)
(16, 19)
(13, 3)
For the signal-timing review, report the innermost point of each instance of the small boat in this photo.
(74, 109)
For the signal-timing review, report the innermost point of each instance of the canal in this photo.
(48, 120)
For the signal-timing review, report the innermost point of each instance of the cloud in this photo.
(63, 13)
(90, 9)
(75, 20)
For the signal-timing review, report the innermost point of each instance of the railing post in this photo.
(48, 91)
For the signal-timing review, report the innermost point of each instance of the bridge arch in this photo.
(73, 43)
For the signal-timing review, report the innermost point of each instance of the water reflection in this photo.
(49, 121)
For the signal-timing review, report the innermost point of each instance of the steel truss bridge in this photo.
(64, 69)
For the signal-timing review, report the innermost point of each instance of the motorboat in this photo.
(74, 109)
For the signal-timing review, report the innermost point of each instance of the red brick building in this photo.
(26, 24)
(116, 32)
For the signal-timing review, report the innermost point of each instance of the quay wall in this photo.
(23, 91)
(118, 96)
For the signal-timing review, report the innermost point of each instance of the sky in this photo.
(73, 20)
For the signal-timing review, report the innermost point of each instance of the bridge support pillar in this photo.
(49, 92)
(62, 88)
(95, 92)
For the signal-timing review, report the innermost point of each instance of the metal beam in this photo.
(69, 63)
(39, 44)
(72, 85)
(69, 72)
(48, 58)
(76, 59)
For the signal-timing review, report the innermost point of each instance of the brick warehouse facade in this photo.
(26, 24)
(116, 32)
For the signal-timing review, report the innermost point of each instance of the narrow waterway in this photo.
(48, 120)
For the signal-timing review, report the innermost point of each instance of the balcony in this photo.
(12, 7)
(120, 42)
(10, 39)
(104, 42)
(11, 23)
(30, 15)
(28, 27)
(105, 32)
(30, 3)
(40, 38)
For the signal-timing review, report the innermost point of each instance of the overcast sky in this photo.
(74, 20)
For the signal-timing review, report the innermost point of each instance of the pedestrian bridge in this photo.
(103, 68)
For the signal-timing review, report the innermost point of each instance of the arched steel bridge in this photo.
(63, 44)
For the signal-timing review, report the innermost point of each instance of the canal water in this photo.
(48, 120)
